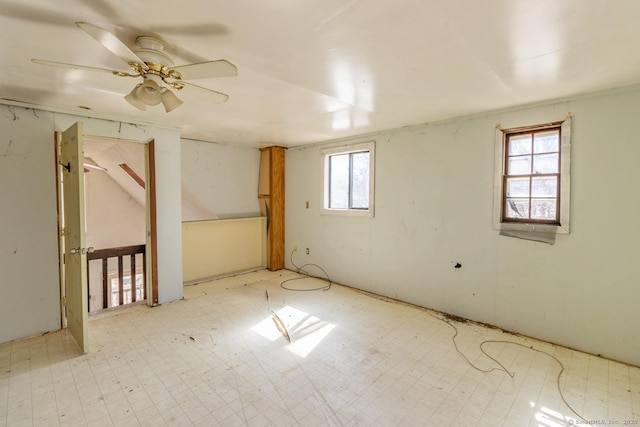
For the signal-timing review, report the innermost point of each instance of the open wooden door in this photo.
(75, 258)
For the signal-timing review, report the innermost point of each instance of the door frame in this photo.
(151, 219)
(152, 223)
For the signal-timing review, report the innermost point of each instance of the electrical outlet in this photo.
(307, 251)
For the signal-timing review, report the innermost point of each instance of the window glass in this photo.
(339, 181)
(520, 165)
(546, 142)
(545, 163)
(348, 180)
(520, 144)
(360, 181)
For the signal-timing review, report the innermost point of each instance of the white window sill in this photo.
(348, 212)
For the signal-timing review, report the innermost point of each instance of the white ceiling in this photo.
(314, 70)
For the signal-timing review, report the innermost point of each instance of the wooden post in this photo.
(271, 197)
(153, 222)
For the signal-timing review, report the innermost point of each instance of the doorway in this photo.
(73, 166)
(115, 202)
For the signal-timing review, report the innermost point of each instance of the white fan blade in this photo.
(211, 95)
(205, 70)
(79, 67)
(112, 43)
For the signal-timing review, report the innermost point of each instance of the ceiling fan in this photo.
(150, 61)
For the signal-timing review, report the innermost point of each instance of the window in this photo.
(531, 180)
(532, 185)
(348, 180)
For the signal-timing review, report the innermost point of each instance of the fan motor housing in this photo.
(151, 50)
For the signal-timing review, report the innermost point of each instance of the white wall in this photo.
(114, 217)
(224, 177)
(29, 283)
(169, 216)
(434, 193)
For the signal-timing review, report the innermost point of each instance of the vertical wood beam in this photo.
(271, 196)
(276, 187)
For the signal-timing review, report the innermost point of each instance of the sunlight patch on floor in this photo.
(306, 331)
(549, 418)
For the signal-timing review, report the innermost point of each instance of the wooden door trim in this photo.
(153, 222)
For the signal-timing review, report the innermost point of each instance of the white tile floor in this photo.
(217, 358)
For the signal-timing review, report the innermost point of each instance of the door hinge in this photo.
(64, 301)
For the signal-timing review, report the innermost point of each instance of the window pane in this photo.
(519, 166)
(339, 181)
(545, 163)
(543, 209)
(544, 187)
(518, 187)
(517, 208)
(360, 188)
(546, 142)
(520, 144)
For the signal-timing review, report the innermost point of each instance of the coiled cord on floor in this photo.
(502, 368)
(455, 344)
(306, 275)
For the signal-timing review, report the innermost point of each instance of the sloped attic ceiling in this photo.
(109, 155)
(124, 163)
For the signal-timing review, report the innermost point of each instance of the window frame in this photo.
(562, 224)
(510, 135)
(326, 187)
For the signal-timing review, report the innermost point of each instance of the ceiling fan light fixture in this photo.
(154, 65)
(170, 100)
(132, 98)
(149, 92)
